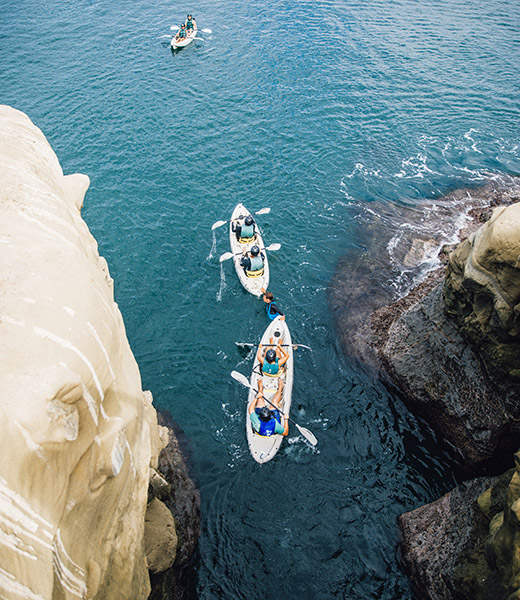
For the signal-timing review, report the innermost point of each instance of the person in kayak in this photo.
(273, 359)
(272, 308)
(246, 232)
(190, 23)
(253, 262)
(182, 32)
(265, 421)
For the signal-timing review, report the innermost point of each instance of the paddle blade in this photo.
(206, 30)
(218, 224)
(296, 346)
(308, 435)
(226, 256)
(245, 344)
(240, 378)
(274, 247)
(263, 211)
(174, 27)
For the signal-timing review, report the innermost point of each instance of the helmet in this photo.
(255, 250)
(249, 220)
(183, 24)
(270, 355)
(189, 16)
(264, 413)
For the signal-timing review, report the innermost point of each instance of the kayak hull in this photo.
(182, 43)
(263, 448)
(253, 285)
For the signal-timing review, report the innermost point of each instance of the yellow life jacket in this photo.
(254, 274)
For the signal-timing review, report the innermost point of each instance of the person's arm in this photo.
(259, 354)
(253, 404)
(282, 429)
(245, 262)
(285, 356)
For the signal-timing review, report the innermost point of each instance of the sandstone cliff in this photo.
(78, 434)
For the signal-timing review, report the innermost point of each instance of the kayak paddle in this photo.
(308, 435)
(262, 211)
(295, 346)
(228, 255)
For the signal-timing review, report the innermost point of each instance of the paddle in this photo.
(206, 30)
(295, 346)
(308, 435)
(228, 255)
(262, 211)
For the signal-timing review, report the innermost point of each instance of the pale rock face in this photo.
(78, 435)
(482, 292)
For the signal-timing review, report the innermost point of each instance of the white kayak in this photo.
(252, 284)
(264, 448)
(182, 42)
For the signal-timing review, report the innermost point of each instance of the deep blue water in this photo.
(335, 114)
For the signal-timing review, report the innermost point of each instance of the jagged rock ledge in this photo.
(81, 445)
(465, 387)
(452, 347)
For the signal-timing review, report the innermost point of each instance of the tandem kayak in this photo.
(182, 42)
(264, 448)
(253, 285)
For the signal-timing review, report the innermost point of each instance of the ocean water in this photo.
(351, 121)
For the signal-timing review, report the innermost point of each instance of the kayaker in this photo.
(190, 23)
(272, 308)
(246, 232)
(272, 359)
(265, 421)
(182, 32)
(253, 262)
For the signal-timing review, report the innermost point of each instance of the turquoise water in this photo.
(349, 120)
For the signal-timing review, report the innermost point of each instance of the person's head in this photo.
(189, 17)
(255, 251)
(183, 25)
(249, 220)
(270, 355)
(268, 296)
(264, 413)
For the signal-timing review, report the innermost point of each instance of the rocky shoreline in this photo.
(451, 347)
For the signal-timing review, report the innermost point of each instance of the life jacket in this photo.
(189, 23)
(267, 427)
(247, 234)
(271, 315)
(271, 369)
(257, 267)
(182, 33)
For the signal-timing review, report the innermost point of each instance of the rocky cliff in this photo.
(453, 346)
(79, 436)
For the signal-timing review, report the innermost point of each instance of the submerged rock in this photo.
(79, 436)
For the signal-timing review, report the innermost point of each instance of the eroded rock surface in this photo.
(482, 296)
(78, 434)
(453, 348)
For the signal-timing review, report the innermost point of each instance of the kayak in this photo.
(181, 43)
(252, 284)
(264, 448)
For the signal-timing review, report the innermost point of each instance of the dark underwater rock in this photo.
(182, 498)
